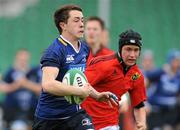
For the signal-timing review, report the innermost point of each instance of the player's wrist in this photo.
(94, 94)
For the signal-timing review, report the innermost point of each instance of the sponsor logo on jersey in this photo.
(80, 67)
(69, 58)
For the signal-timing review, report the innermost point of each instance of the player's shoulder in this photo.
(34, 69)
(53, 51)
(9, 71)
(59, 43)
(9, 74)
(107, 50)
(102, 59)
(56, 46)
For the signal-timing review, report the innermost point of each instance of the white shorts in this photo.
(114, 127)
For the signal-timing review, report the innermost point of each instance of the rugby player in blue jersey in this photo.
(53, 112)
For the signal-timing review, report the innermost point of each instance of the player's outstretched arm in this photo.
(51, 85)
(102, 96)
(140, 118)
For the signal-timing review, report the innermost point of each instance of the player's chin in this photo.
(79, 34)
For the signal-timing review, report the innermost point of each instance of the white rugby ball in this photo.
(75, 78)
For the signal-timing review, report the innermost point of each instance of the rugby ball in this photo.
(75, 78)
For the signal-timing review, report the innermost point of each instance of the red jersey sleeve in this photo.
(138, 91)
(94, 74)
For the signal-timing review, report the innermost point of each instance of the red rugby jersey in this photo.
(106, 73)
(101, 52)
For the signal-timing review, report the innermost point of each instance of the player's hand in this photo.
(141, 127)
(109, 97)
(86, 90)
(22, 81)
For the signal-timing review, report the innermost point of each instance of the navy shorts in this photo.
(80, 121)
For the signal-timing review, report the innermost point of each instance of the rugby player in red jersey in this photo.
(94, 32)
(117, 73)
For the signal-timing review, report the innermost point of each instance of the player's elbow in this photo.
(46, 86)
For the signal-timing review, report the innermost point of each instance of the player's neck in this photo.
(95, 49)
(73, 40)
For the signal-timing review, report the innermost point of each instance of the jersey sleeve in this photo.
(52, 57)
(138, 91)
(94, 74)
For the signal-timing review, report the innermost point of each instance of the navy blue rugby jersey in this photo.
(61, 54)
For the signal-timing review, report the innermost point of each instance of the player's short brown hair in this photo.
(95, 18)
(62, 14)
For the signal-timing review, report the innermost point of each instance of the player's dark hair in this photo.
(130, 37)
(62, 14)
(95, 18)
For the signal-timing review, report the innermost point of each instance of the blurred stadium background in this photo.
(29, 24)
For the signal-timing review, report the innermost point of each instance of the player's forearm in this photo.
(140, 118)
(8, 88)
(4, 88)
(35, 87)
(60, 89)
(94, 94)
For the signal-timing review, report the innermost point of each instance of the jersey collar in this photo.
(67, 42)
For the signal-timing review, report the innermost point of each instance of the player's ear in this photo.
(62, 25)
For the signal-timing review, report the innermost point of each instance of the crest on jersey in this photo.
(135, 76)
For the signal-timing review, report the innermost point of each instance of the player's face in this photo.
(148, 62)
(22, 59)
(93, 33)
(175, 63)
(129, 54)
(75, 24)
